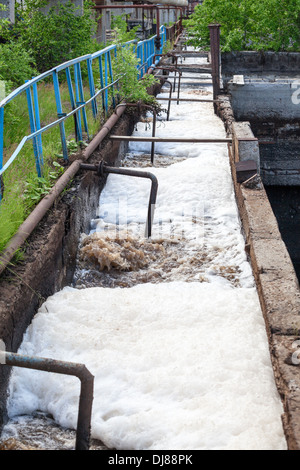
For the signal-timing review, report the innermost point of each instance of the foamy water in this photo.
(179, 352)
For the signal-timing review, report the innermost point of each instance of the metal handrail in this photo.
(145, 51)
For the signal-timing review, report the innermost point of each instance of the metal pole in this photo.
(214, 30)
(188, 99)
(102, 169)
(147, 106)
(66, 368)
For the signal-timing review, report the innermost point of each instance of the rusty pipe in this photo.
(173, 69)
(169, 99)
(67, 368)
(147, 106)
(102, 169)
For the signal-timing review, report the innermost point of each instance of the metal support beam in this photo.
(188, 99)
(214, 30)
(169, 139)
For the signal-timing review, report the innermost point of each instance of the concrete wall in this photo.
(267, 98)
(259, 62)
(264, 89)
(270, 85)
(276, 282)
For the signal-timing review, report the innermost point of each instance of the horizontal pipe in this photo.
(175, 3)
(188, 99)
(168, 139)
(67, 368)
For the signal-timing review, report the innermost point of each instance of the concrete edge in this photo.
(276, 282)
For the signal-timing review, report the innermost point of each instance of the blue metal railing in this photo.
(144, 50)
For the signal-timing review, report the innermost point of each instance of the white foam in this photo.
(177, 365)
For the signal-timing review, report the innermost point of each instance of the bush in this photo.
(120, 29)
(58, 35)
(132, 89)
(17, 64)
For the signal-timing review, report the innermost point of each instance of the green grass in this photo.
(22, 188)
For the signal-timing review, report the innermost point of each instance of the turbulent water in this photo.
(170, 326)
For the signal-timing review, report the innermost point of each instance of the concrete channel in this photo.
(51, 250)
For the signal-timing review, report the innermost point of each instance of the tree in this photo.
(248, 24)
(56, 36)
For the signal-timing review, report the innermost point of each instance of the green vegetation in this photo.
(130, 87)
(120, 28)
(22, 187)
(36, 43)
(52, 36)
(248, 25)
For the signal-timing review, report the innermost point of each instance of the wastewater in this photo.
(170, 326)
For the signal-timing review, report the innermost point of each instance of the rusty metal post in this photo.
(102, 169)
(147, 106)
(214, 30)
(66, 368)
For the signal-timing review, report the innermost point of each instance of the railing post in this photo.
(106, 80)
(1, 147)
(92, 87)
(36, 143)
(111, 78)
(81, 99)
(77, 101)
(38, 124)
(215, 57)
(59, 115)
(102, 82)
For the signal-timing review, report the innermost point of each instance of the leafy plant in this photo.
(57, 34)
(126, 67)
(17, 63)
(37, 187)
(248, 25)
(120, 29)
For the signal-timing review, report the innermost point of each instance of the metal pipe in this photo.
(214, 30)
(172, 69)
(102, 169)
(148, 106)
(67, 368)
(189, 99)
(169, 99)
(169, 139)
